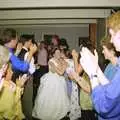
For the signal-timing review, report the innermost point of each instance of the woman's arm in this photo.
(81, 82)
(84, 85)
(78, 67)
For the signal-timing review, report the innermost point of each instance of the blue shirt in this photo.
(106, 99)
(110, 71)
(17, 64)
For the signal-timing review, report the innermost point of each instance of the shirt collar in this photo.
(25, 48)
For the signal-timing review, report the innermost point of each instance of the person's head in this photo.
(9, 36)
(108, 48)
(66, 53)
(56, 53)
(63, 44)
(55, 40)
(4, 58)
(88, 44)
(113, 23)
(4, 55)
(42, 44)
(27, 40)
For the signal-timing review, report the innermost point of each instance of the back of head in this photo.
(88, 44)
(26, 37)
(63, 43)
(8, 34)
(4, 55)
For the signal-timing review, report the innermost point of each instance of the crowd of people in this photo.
(41, 81)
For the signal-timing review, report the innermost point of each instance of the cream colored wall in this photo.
(70, 33)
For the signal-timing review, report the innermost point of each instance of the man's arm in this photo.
(106, 97)
(18, 64)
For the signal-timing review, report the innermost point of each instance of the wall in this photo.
(70, 33)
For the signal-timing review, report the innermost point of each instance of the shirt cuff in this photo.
(94, 81)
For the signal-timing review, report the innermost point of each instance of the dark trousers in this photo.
(88, 115)
(27, 99)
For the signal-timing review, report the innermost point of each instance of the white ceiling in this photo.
(58, 3)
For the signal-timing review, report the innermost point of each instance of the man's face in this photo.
(115, 38)
(14, 42)
(54, 41)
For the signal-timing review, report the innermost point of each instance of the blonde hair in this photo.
(113, 21)
(4, 55)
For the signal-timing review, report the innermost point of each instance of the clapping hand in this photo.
(75, 54)
(89, 61)
(21, 81)
(33, 48)
(73, 76)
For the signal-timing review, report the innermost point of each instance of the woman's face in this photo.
(57, 54)
(14, 42)
(107, 53)
(63, 55)
(115, 38)
(54, 41)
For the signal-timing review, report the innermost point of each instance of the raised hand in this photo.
(89, 61)
(73, 76)
(33, 48)
(21, 81)
(19, 46)
(74, 54)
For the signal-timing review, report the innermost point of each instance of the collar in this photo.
(25, 48)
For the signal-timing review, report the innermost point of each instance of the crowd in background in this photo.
(48, 81)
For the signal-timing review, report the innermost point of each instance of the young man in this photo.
(27, 42)
(10, 39)
(105, 94)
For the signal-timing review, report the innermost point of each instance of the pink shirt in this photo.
(42, 57)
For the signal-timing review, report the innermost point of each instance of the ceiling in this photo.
(54, 12)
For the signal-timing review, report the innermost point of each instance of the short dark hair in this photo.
(8, 34)
(26, 37)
